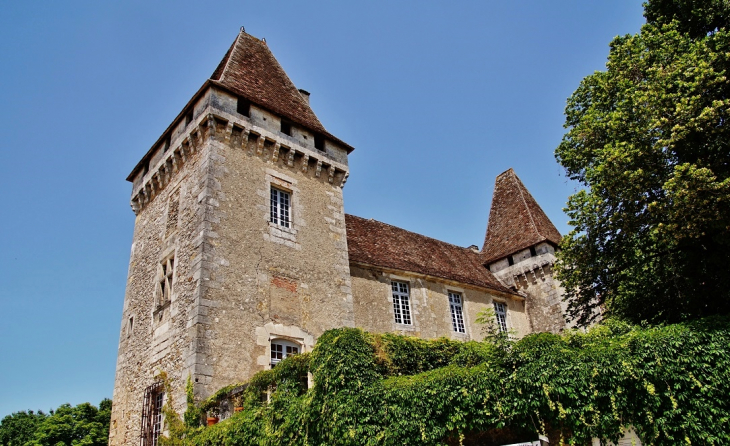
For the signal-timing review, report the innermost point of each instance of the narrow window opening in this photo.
(130, 326)
(401, 303)
(510, 260)
(319, 142)
(189, 117)
(533, 253)
(280, 208)
(244, 107)
(500, 312)
(164, 287)
(457, 312)
(167, 144)
(285, 127)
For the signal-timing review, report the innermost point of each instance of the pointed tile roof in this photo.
(250, 70)
(516, 221)
(379, 244)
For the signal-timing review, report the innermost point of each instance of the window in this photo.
(401, 303)
(281, 349)
(243, 107)
(319, 142)
(500, 311)
(164, 288)
(154, 398)
(280, 208)
(188, 117)
(457, 313)
(286, 127)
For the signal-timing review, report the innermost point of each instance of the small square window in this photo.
(281, 349)
(280, 208)
(285, 127)
(457, 312)
(244, 107)
(319, 142)
(401, 303)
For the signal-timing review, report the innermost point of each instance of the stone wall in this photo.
(238, 281)
(429, 301)
(533, 277)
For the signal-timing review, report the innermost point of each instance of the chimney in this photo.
(305, 95)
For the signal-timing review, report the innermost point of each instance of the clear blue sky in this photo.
(437, 98)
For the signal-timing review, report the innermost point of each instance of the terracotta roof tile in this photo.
(516, 221)
(249, 69)
(374, 243)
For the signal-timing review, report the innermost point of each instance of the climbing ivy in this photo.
(671, 383)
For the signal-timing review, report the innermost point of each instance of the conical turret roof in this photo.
(250, 70)
(516, 221)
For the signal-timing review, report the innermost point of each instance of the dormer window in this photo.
(286, 127)
(244, 107)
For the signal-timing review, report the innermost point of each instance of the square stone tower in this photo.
(239, 254)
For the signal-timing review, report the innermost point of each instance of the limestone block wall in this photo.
(265, 281)
(430, 309)
(156, 332)
(533, 277)
(201, 196)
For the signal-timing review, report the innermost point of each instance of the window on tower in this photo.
(280, 208)
(154, 398)
(457, 312)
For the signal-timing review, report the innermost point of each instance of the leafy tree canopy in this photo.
(649, 139)
(20, 427)
(82, 425)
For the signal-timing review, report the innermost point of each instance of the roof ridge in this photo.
(412, 232)
(228, 56)
(524, 202)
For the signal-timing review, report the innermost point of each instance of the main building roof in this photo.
(516, 221)
(379, 244)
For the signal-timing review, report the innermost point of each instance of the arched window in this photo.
(281, 348)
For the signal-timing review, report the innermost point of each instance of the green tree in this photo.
(649, 140)
(83, 425)
(20, 427)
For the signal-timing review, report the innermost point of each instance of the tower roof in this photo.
(250, 70)
(516, 221)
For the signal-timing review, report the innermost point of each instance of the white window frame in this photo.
(500, 313)
(457, 312)
(280, 207)
(280, 349)
(401, 302)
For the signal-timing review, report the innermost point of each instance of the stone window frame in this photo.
(277, 233)
(161, 302)
(456, 311)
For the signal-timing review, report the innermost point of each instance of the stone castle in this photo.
(242, 253)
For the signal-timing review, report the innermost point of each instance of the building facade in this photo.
(242, 253)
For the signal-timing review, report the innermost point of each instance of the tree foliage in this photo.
(18, 428)
(649, 139)
(82, 425)
(672, 383)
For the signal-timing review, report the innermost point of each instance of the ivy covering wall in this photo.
(671, 383)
